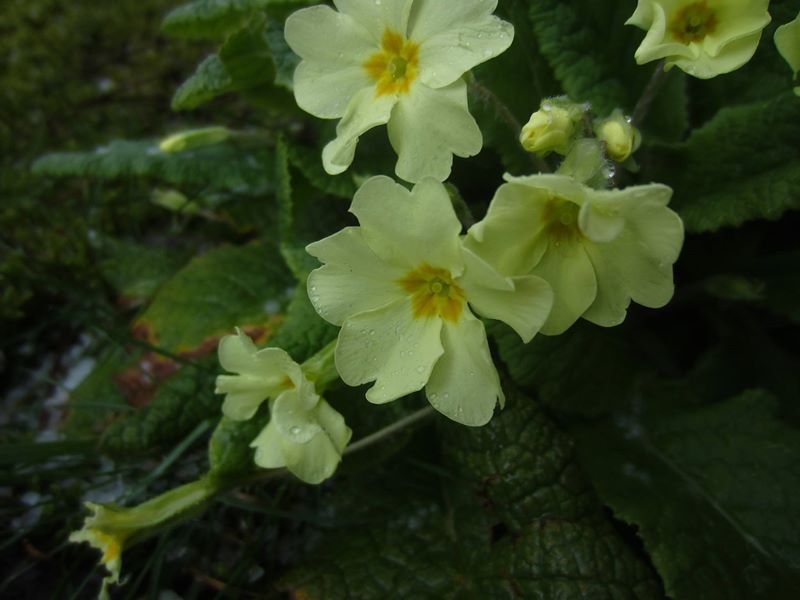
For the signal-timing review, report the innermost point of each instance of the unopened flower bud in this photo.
(194, 138)
(620, 137)
(550, 129)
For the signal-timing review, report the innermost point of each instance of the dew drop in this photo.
(421, 369)
(295, 430)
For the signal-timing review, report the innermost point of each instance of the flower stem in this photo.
(487, 96)
(390, 430)
(657, 80)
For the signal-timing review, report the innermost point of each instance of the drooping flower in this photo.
(402, 287)
(397, 62)
(787, 40)
(112, 529)
(705, 38)
(304, 434)
(598, 249)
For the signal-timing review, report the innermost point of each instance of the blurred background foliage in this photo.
(653, 458)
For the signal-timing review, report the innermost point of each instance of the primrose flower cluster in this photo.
(407, 286)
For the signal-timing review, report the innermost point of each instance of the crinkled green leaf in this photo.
(244, 64)
(177, 406)
(136, 270)
(713, 492)
(221, 166)
(743, 164)
(588, 370)
(517, 519)
(224, 288)
(212, 19)
(305, 214)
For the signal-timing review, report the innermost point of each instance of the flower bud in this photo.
(194, 138)
(620, 137)
(550, 129)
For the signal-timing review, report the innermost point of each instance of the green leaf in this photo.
(224, 288)
(244, 64)
(177, 406)
(518, 520)
(754, 174)
(214, 19)
(222, 166)
(304, 215)
(209, 19)
(713, 493)
(135, 270)
(586, 371)
(302, 333)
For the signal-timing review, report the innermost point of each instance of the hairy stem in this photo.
(504, 113)
(657, 81)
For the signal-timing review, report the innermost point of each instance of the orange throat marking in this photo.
(434, 293)
(394, 67)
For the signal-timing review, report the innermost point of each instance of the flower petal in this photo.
(409, 228)
(376, 17)
(464, 385)
(312, 462)
(624, 272)
(238, 354)
(353, 280)
(321, 35)
(510, 236)
(456, 36)
(326, 92)
(269, 450)
(294, 417)
(388, 346)
(365, 111)
(523, 303)
(567, 268)
(428, 126)
(334, 426)
(243, 396)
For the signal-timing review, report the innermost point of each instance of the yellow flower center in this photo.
(110, 544)
(394, 66)
(434, 293)
(693, 22)
(561, 217)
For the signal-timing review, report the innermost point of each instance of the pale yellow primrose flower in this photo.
(402, 287)
(598, 249)
(398, 62)
(787, 40)
(705, 38)
(304, 433)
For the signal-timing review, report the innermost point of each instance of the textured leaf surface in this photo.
(136, 271)
(209, 18)
(754, 174)
(713, 492)
(177, 406)
(224, 288)
(222, 166)
(244, 64)
(518, 520)
(586, 371)
(304, 214)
